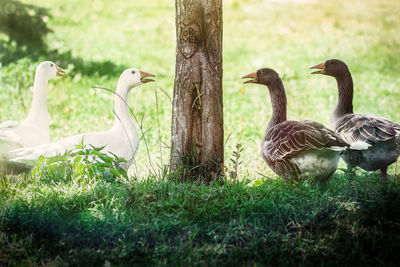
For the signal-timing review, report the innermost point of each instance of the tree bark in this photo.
(197, 114)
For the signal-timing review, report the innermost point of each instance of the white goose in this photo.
(34, 130)
(379, 135)
(121, 139)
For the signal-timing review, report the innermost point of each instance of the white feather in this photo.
(337, 148)
(319, 164)
(122, 139)
(359, 145)
(34, 130)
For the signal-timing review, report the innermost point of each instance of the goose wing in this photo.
(7, 144)
(31, 154)
(112, 143)
(9, 139)
(6, 125)
(291, 138)
(23, 159)
(367, 128)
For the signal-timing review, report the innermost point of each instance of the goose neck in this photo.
(124, 127)
(122, 117)
(278, 101)
(345, 96)
(38, 110)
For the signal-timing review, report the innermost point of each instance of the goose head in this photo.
(331, 67)
(49, 70)
(263, 76)
(133, 77)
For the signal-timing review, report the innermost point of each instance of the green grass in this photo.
(353, 222)
(105, 37)
(162, 222)
(59, 219)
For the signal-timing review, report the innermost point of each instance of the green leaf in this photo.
(115, 172)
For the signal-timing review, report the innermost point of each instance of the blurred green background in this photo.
(96, 40)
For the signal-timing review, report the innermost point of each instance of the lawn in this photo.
(153, 217)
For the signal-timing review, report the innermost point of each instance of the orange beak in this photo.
(60, 72)
(252, 76)
(144, 75)
(320, 66)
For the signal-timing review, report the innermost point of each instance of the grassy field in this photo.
(61, 220)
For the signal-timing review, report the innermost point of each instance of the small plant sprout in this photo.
(235, 159)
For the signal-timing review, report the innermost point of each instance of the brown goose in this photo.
(295, 149)
(379, 135)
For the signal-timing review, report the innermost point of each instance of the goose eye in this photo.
(51, 65)
(133, 72)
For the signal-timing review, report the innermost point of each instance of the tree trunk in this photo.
(197, 116)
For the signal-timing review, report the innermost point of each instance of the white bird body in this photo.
(21, 134)
(122, 143)
(34, 130)
(121, 139)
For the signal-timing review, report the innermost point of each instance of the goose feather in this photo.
(378, 135)
(34, 130)
(121, 139)
(296, 149)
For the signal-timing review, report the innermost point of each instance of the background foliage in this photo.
(23, 24)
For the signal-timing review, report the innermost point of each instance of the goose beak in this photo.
(252, 76)
(60, 72)
(320, 66)
(144, 75)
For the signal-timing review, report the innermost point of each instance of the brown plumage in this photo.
(380, 135)
(292, 138)
(295, 149)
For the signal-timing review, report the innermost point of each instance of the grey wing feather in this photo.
(291, 137)
(367, 128)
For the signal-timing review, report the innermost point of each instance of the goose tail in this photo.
(359, 145)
